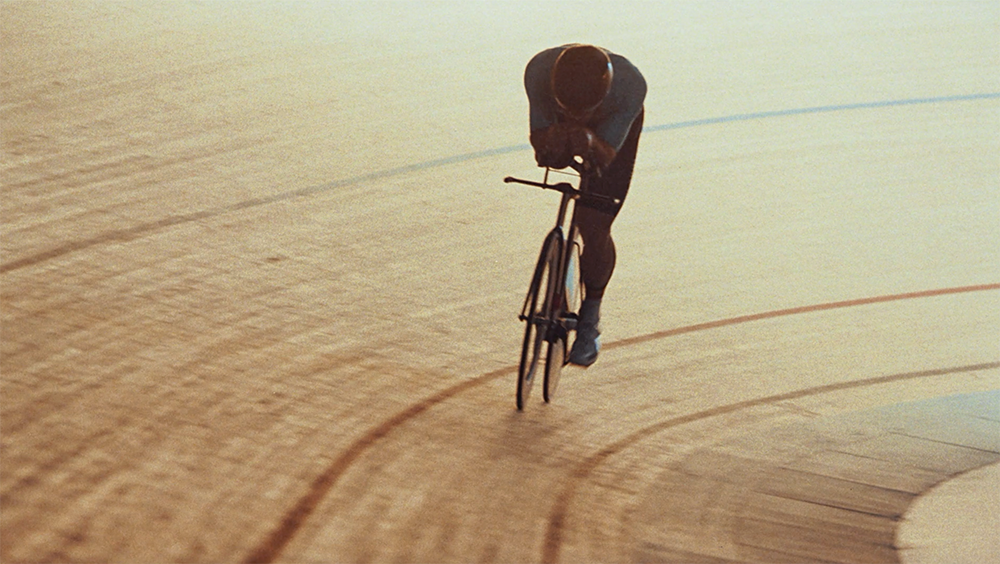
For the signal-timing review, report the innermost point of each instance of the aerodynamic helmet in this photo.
(581, 78)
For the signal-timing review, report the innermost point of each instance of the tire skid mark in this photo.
(7, 493)
(557, 518)
(145, 228)
(143, 162)
(101, 170)
(118, 236)
(276, 541)
(293, 520)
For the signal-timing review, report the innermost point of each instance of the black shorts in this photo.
(616, 180)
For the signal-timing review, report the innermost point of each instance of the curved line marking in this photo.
(824, 109)
(135, 232)
(796, 311)
(557, 519)
(276, 541)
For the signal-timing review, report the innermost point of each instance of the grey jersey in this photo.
(612, 119)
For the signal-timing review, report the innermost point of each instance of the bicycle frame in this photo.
(551, 320)
(569, 193)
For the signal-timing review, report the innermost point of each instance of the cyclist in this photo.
(586, 101)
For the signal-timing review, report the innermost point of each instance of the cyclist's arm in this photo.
(552, 147)
(557, 144)
(623, 104)
(542, 109)
(602, 152)
(549, 142)
(584, 142)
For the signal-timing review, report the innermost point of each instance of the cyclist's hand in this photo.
(575, 138)
(580, 140)
(596, 153)
(554, 160)
(552, 147)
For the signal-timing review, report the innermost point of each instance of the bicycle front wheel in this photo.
(538, 315)
(567, 294)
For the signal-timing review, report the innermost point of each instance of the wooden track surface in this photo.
(259, 280)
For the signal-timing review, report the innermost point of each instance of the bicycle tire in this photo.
(538, 315)
(574, 279)
(568, 295)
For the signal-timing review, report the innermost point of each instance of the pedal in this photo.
(570, 321)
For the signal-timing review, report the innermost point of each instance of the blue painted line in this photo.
(358, 181)
(495, 152)
(821, 109)
(457, 159)
(692, 123)
(388, 173)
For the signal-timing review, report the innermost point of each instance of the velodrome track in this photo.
(260, 277)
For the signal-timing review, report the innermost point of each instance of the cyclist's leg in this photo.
(597, 263)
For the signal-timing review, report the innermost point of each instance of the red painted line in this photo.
(797, 311)
(274, 543)
(560, 509)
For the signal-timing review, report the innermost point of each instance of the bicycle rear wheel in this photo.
(568, 296)
(538, 315)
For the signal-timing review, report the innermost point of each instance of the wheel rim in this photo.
(537, 323)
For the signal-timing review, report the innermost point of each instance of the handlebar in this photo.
(585, 167)
(569, 190)
(564, 187)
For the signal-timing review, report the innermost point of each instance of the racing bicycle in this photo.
(551, 306)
